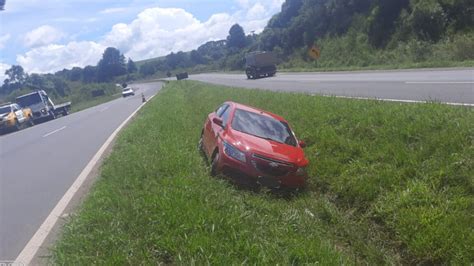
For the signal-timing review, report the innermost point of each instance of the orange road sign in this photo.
(314, 52)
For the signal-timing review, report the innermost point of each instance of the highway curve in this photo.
(441, 85)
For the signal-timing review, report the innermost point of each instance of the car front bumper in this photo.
(253, 171)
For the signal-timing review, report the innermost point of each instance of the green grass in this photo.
(93, 102)
(389, 183)
(354, 52)
(314, 66)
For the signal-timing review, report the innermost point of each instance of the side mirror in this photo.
(218, 121)
(302, 144)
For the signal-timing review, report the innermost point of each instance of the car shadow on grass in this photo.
(252, 185)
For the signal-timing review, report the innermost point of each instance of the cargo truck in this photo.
(260, 64)
(181, 76)
(42, 106)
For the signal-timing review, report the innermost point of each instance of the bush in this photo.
(463, 47)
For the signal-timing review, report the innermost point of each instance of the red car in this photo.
(250, 144)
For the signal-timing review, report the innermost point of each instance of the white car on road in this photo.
(128, 92)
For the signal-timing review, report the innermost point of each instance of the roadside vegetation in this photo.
(389, 183)
(361, 34)
(85, 88)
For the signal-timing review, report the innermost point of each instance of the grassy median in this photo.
(390, 183)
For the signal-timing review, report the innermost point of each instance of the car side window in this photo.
(225, 116)
(221, 110)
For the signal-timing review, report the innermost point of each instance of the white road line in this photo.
(439, 82)
(32, 247)
(392, 100)
(54, 131)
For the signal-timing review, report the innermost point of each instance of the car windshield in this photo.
(5, 109)
(28, 100)
(263, 126)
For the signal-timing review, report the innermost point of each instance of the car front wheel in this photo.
(31, 122)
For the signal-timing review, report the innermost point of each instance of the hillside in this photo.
(350, 34)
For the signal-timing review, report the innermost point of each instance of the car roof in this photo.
(255, 110)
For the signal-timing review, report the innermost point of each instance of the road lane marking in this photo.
(392, 100)
(29, 251)
(439, 82)
(54, 131)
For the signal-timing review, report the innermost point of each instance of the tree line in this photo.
(59, 85)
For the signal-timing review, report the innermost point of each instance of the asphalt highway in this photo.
(441, 85)
(39, 164)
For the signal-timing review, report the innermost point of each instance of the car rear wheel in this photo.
(30, 121)
(214, 162)
(17, 125)
(52, 116)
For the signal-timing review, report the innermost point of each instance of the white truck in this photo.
(42, 106)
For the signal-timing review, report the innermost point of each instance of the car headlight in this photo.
(233, 152)
(301, 171)
(44, 110)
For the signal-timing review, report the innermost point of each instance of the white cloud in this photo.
(42, 35)
(3, 68)
(154, 32)
(113, 10)
(256, 12)
(3, 40)
(55, 57)
(158, 31)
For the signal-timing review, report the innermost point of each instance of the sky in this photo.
(44, 36)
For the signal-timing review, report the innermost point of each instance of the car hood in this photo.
(267, 148)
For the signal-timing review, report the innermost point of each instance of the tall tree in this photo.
(15, 74)
(75, 74)
(131, 66)
(147, 69)
(111, 65)
(383, 21)
(89, 74)
(197, 57)
(236, 38)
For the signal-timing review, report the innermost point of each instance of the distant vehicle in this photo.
(42, 106)
(181, 76)
(127, 92)
(260, 64)
(12, 116)
(253, 147)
